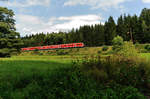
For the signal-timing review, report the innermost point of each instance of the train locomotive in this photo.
(49, 47)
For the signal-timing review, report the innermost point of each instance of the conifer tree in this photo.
(110, 30)
(9, 39)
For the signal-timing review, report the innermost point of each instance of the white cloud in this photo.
(27, 3)
(104, 4)
(146, 1)
(27, 24)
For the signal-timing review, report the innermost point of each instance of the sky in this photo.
(36, 16)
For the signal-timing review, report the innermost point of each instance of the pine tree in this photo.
(110, 30)
(9, 39)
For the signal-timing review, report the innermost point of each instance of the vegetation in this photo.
(105, 48)
(56, 77)
(134, 28)
(9, 39)
(117, 43)
(119, 71)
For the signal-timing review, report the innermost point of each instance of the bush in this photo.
(99, 52)
(143, 51)
(121, 92)
(61, 52)
(128, 49)
(117, 43)
(126, 71)
(131, 93)
(147, 47)
(105, 48)
(5, 52)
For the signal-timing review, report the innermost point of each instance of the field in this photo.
(48, 77)
(17, 73)
(27, 64)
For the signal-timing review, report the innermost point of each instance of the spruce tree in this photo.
(9, 39)
(110, 30)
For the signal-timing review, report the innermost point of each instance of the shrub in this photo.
(61, 52)
(36, 52)
(122, 70)
(131, 93)
(128, 49)
(5, 52)
(147, 47)
(143, 51)
(122, 92)
(99, 52)
(117, 43)
(105, 48)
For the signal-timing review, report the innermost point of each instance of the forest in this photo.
(135, 28)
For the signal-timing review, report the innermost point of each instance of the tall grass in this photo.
(57, 77)
(125, 71)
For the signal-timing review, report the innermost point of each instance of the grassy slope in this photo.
(73, 51)
(27, 64)
(19, 75)
(17, 70)
(147, 55)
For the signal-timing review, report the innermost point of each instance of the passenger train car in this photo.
(49, 47)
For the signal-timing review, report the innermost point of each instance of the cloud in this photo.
(146, 1)
(27, 24)
(95, 4)
(27, 3)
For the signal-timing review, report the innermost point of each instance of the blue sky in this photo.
(34, 16)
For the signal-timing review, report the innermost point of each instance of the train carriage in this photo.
(61, 46)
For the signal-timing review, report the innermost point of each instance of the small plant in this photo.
(99, 52)
(105, 48)
(147, 47)
(61, 52)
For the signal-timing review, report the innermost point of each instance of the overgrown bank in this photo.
(86, 79)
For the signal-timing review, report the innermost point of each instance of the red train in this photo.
(61, 46)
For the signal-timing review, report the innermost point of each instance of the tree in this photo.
(110, 30)
(145, 25)
(9, 39)
(117, 43)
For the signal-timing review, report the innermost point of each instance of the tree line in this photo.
(135, 28)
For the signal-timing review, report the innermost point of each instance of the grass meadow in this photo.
(58, 77)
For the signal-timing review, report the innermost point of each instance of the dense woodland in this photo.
(135, 28)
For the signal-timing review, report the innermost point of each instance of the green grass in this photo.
(146, 55)
(48, 77)
(16, 71)
(28, 64)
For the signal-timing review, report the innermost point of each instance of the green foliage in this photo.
(52, 77)
(9, 39)
(124, 93)
(4, 52)
(61, 83)
(125, 71)
(117, 43)
(62, 52)
(147, 47)
(128, 27)
(105, 48)
(131, 93)
(128, 49)
(110, 30)
(122, 48)
(99, 52)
